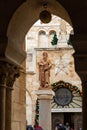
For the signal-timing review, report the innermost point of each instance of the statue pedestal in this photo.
(45, 97)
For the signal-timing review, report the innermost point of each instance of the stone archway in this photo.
(24, 17)
(21, 22)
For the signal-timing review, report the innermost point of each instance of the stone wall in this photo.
(38, 39)
(18, 104)
(62, 65)
(65, 72)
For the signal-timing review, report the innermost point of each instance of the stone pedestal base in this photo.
(45, 97)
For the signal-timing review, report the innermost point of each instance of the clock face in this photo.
(66, 96)
(63, 96)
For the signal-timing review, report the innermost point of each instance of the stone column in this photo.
(45, 97)
(3, 78)
(79, 43)
(8, 108)
(84, 106)
(13, 74)
(8, 74)
(83, 76)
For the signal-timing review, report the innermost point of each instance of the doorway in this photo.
(69, 117)
(74, 119)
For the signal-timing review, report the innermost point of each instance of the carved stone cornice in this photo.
(8, 74)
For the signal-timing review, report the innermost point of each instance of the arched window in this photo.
(42, 33)
(42, 39)
(51, 34)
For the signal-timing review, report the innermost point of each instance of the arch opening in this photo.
(22, 21)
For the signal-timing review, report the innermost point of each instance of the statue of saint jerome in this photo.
(44, 71)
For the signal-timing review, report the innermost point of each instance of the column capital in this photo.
(14, 72)
(8, 73)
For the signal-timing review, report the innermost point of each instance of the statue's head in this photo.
(45, 55)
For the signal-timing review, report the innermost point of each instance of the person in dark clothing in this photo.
(61, 127)
(57, 126)
(34, 127)
(29, 127)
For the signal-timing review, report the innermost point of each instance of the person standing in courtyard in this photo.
(67, 127)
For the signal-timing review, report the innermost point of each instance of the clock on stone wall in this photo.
(66, 95)
(63, 96)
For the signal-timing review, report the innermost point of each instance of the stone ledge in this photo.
(44, 92)
(66, 110)
(52, 49)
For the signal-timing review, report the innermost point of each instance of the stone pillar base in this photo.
(45, 97)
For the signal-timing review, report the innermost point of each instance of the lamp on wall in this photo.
(45, 15)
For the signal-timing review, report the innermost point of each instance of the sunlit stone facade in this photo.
(38, 39)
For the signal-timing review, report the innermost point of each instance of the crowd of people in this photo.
(36, 127)
(60, 126)
(57, 127)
